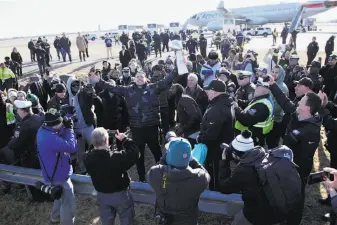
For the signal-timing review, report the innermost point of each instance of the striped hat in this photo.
(243, 142)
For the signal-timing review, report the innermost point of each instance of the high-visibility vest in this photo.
(10, 116)
(266, 125)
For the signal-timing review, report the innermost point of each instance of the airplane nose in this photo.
(330, 4)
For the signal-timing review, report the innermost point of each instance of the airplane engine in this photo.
(256, 21)
(214, 25)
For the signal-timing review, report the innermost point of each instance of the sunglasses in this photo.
(242, 77)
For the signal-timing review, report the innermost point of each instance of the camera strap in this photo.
(55, 167)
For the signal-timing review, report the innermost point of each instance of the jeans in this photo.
(84, 139)
(120, 203)
(148, 49)
(64, 209)
(64, 54)
(42, 68)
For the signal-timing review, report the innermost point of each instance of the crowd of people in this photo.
(243, 113)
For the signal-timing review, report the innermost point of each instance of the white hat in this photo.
(12, 93)
(243, 142)
(19, 104)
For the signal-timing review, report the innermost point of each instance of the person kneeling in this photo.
(108, 171)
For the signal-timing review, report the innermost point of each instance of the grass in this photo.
(16, 209)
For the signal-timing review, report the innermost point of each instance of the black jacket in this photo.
(217, 125)
(56, 102)
(329, 113)
(302, 137)
(189, 115)
(330, 45)
(24, 142)
(312, 48)
(108, 169)
(57, 44)
(244, 180)
(115, 112)
(40, 89)
(4, 129)
(16, 57)
(157, 40)
(329, 74)
(65, 43)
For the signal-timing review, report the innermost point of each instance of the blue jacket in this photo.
(49, 144)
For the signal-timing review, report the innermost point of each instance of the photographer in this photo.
(172, 179)
(55, 141)
(261, 206)
(331, 187)
(108, 171)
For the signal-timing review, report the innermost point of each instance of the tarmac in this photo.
(97, 53)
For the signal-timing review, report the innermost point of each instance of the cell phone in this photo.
(318, 177)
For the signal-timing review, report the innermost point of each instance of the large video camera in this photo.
(55, 192)
(69, 112)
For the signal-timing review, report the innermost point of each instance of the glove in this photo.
(68, 123)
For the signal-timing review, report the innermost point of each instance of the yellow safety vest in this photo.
(10, 116)
(267, 125)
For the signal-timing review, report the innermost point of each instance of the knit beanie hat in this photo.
(52, 118)
(179, 153)
(243, 142)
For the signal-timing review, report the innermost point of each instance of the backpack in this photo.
(280, 180)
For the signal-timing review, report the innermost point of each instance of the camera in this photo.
(68, 112)
(55, 192)
(318, 177)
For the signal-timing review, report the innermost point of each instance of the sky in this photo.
(42, 17)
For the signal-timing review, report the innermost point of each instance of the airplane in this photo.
(257, 15)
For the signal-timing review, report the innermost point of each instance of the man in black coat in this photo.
(216, 127)
(157, 42)
(125, 57)
(65, 45)
(312, 50)
(141, 52)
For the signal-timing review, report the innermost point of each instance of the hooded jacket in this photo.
(278, 111)
(244, 180)
(49, 144)
(179, 202)
(83, 104)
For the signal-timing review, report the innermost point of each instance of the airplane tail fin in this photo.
(221, 7)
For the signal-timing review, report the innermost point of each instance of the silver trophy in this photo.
(177, 46)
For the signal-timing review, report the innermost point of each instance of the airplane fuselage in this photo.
(266, 14)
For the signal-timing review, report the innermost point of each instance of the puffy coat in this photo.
(49, 144)
(180, 202)
(142, 102)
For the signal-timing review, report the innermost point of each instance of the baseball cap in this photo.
(294, 56)
(244, 73)
(263, 70)
(216, 85)
(263, 82)
(333, 57)
(305, 81)
(316, 64)
(179, 153)
(19, 104)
